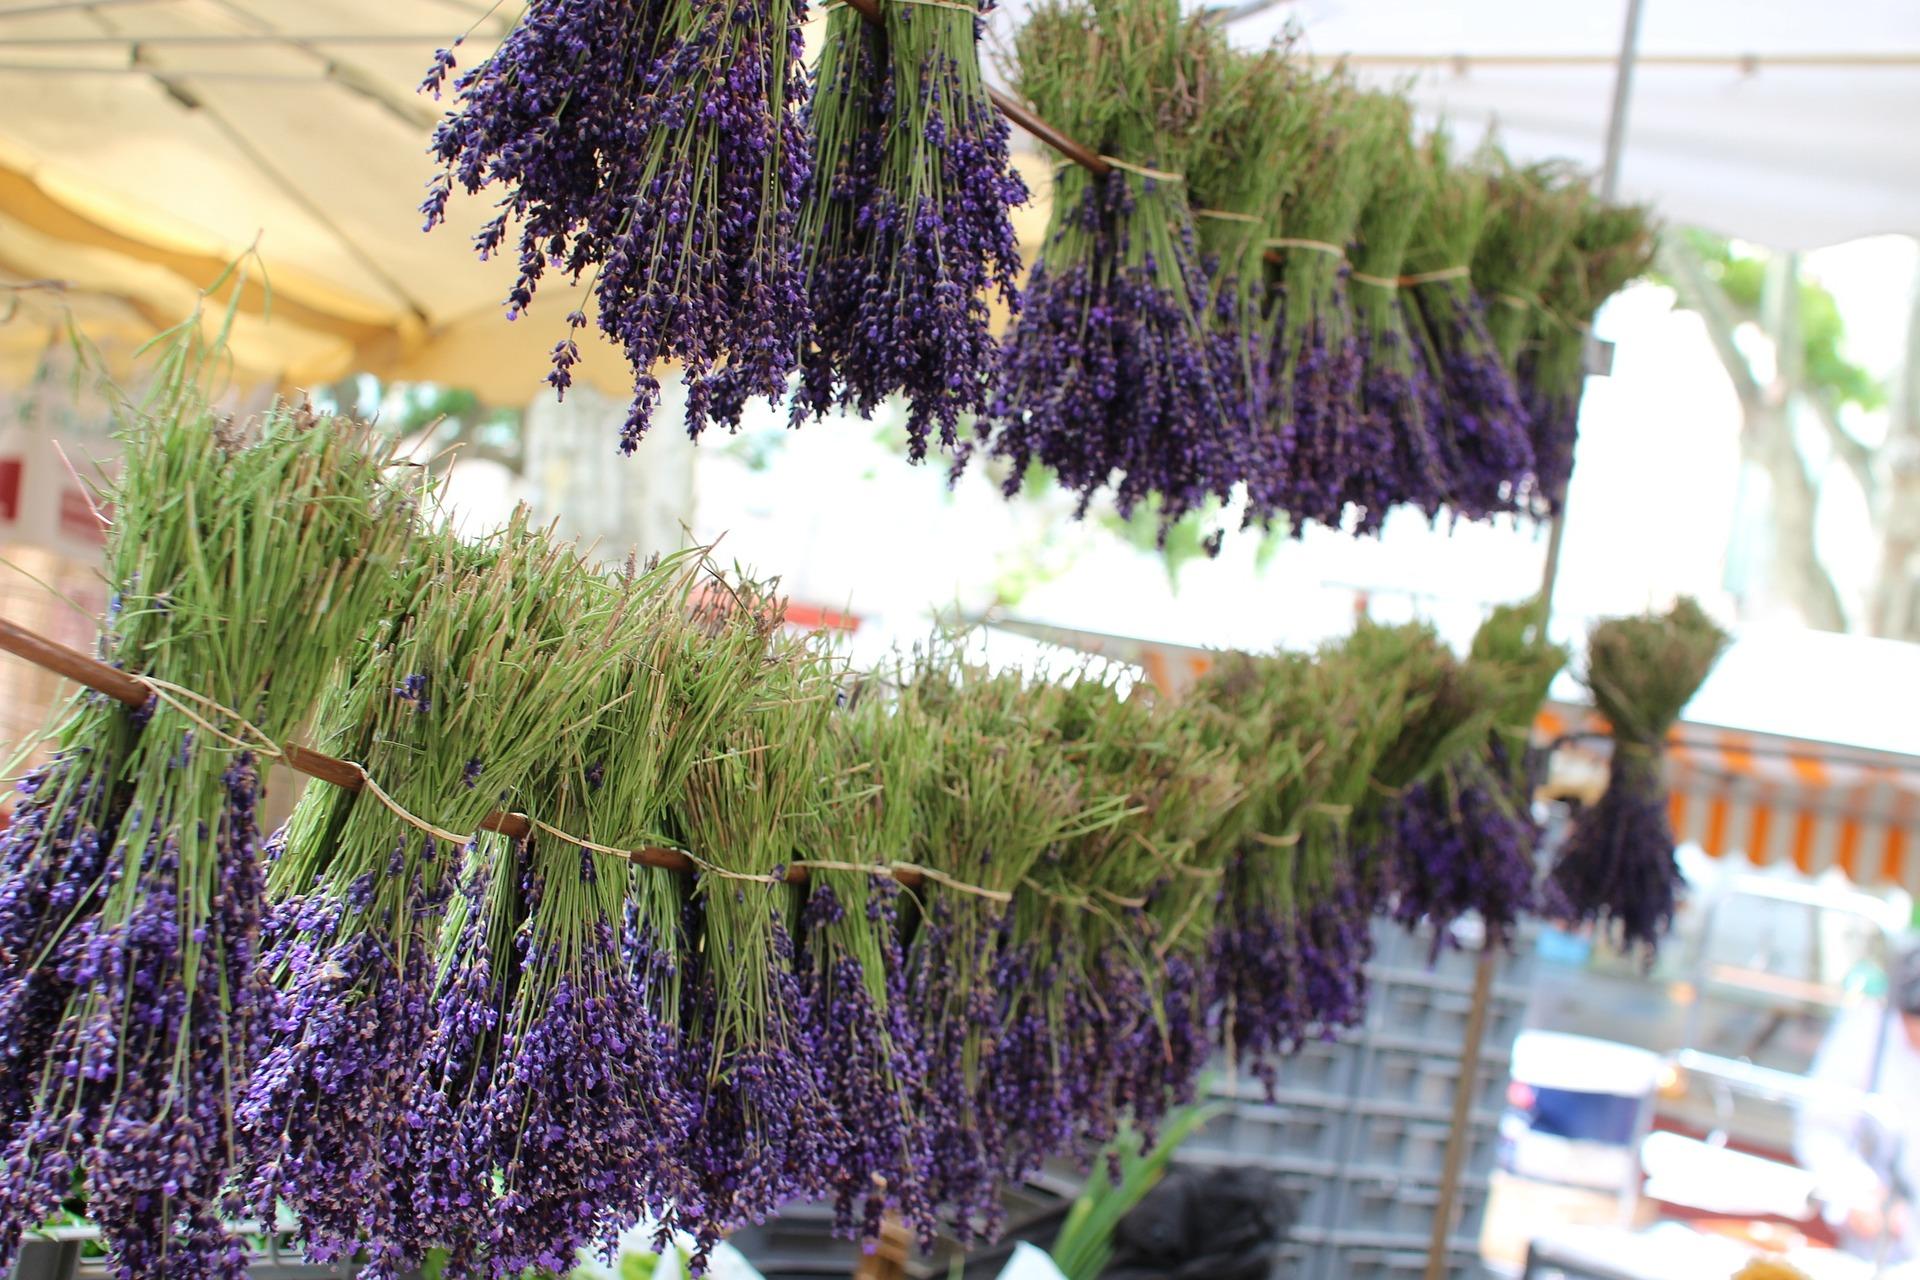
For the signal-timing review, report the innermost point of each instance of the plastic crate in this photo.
(1415, 1008)
(1401, 1210)
(46, 1260)
(1396, 947)
(1414, 1146)
(1424, 1083)
(1320, 1071)
(1321, 1068)
(1275, 1135)
(1370, 1263)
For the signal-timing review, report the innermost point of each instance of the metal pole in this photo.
(1616, 145)
(1459, 1140)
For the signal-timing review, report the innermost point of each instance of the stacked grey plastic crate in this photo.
(1357, 1128)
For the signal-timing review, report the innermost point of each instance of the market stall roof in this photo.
(1770, 120)
(1797, 750)
(147, 143)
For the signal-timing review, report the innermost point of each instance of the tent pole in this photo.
(1458, 1138)
(1616, 145)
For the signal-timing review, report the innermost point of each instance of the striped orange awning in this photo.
(1774, 800)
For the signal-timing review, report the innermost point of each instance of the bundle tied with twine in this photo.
(1106, 376)
(501, 648)
(1610, 246)
(1242, 168)
(1394, 456)
(1480, 427)
(993, 802)
(1618, 869)
(244, 558)
(1293, 930)
(1466, 836)
(764, 1131)
(877, 757)
(1088, 1018)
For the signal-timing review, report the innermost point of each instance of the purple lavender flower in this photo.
(885, 1160)
(1463, 843)
(916, 232)
(656, 151)
(161, 1024)
(1485, 444)
(1618, 869)
(1108, 377)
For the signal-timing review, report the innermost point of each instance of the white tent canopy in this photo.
(1776, 121)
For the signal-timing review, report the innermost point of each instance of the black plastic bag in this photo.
(1205, 1224)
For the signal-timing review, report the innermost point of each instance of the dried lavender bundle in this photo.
(504, 645)
(1293, 933)
(557, 1133)
(846, 118)
(1466, 836)
(1240, 171)
(1394, 457)
(1317, 358)
(1617, 869)
(936, 236)
(1445, 711)
(1533, 211)
(1200, 826)
(853, 961)
(244, 558)
(1107, 376)
(990, 806)
(1480, 425)
(1089, 1027)
(763, 1130)
(1611, 245)
(655, 149)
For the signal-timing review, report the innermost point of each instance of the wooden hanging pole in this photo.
(134, 692)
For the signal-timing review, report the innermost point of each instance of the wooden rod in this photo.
(121, 687)
(1459, 1136)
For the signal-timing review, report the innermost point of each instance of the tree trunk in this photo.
(1895, 608)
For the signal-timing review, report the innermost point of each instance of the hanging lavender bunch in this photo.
(1292, 935)
(1532, 213)
(855, 968)
(131, 1015)
(1090, 1025)
(936, 232)
(1200, 824)
(1241, 170)
(655, 149)
(443, 715)
(1463, 847)
(847, 123)
(1395, 459)
(1466, 838)
(1446, 708)
(1617, 868)
(1480, 425)
(763, 1130)
(989, 807)
(1317, 358)
(584, 1115)
(1611, 245)
(1107, 376)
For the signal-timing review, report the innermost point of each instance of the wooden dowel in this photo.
(121, 687)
